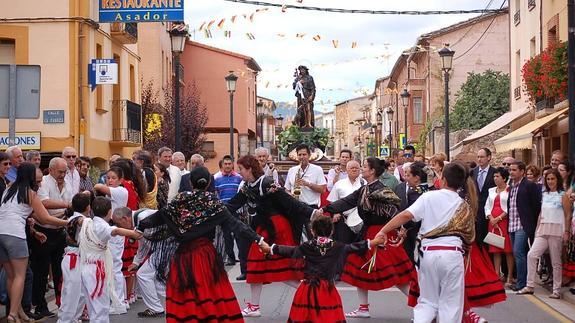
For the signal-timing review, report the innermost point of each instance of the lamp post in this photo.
(231, 80)
(261, 116)
(389, 112)
(278, 130)
(379, 131)
(446, 56)
(405, 102)
(178, 36)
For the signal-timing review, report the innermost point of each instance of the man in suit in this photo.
(524, 205)
(483, 178)
(185, 183)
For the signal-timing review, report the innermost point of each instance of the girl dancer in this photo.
(317, 299)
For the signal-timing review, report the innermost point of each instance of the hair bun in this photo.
(202, 181)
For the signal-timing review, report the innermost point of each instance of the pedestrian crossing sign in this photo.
(384, 151)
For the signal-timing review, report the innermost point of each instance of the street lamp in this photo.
(178, 36)
(231, 80)
(389, 112)
(261, 116)
(405, 102)
(446, 56)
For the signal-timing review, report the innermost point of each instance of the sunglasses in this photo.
(506, 164)
(71, 156)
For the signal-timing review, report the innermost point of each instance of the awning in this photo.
(522, 138)
(490, 128)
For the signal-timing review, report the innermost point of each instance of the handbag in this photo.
(496, 240)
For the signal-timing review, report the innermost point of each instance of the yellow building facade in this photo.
(62, 37)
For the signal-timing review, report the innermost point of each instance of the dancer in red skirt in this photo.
(376, 205)
(197, 285)
(276, 216)
(317, 299)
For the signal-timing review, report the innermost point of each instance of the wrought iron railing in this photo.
(517, 17)
(517, 93)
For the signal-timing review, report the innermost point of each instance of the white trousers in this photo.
(116, 245)
(538, 248)
(73, 299)
(96, 290)
(442, 286)
(151, 290)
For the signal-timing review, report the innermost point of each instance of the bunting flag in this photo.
(281, 35)
(211, 23)
(228, 33)
(234, 18)
(353, 44)
(335, 43)
(252, 17)
(284, 8)
(316, 37)
(300, 35)
(208, 33)
(250, 36)
(202, 26)
(267, 84)
(221, 23)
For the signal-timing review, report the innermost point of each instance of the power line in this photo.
(366, 11)
(471, 27)
(483, 34)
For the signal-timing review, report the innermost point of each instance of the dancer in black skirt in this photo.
(317, 299)
(198, 289)
(275, 215)
(376, 205)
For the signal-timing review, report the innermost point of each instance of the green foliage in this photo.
(482, 98)
(293, 136)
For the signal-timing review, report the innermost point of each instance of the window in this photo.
(532, 47)
(417, 110)
(7, 51)
(552, 35)
(518, 65)
(132, 83)
(208, 146)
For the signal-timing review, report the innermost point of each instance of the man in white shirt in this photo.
(262, 154)
(344, 229)
(56, 195)
(339, 172)
(308, 177)
(72, 174)
(165, 158)
(179, 160)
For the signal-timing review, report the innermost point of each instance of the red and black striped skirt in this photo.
(482, 284)
(316, 301)
(569, 269)
(268, 269)
(130, 250)
(392, 268)
(212, 300)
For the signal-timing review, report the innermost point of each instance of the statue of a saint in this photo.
(305, 92)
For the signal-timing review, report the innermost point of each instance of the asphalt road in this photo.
(385, 306)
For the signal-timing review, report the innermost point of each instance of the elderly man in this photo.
(165, 158)
(72, 174)
(179, 160)
(34, 157)
(507, 161)
(16, 158)
(196, 160)
(339, 172)
(263, 154)
(56, 195)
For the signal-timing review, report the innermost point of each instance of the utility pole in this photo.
(571, 75)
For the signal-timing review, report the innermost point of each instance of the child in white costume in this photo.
(447, 229)
(72, 302)
(119, 198)
(97, 279)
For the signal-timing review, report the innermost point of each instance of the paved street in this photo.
(387, 306)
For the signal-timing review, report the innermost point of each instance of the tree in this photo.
(482, 98)
(159, 128)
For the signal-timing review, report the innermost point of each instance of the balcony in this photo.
(517, 17)
(126, 33)
(517, 93)
(531, 4)
(126, 123)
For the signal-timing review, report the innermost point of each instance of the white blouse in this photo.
(503, 196)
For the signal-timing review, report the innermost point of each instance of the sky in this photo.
(340, 73)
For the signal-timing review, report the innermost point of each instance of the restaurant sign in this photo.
(141, 10)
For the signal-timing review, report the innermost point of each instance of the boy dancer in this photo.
(97, 279)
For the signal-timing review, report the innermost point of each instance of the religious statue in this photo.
(305, 92)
